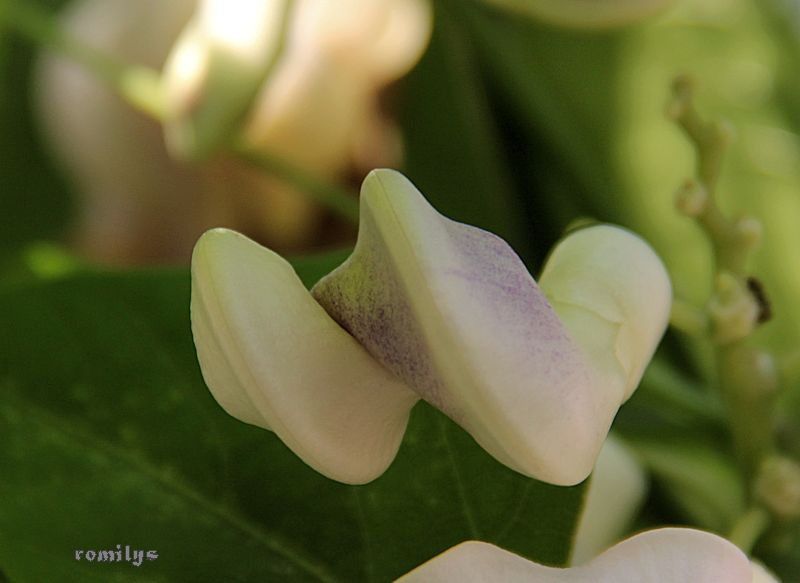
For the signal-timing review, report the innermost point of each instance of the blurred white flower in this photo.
(317, 110)
(666, 555)
(429, 308)
(324, 74)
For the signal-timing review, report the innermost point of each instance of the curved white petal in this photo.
(587, 14)
(272, 357)
(667, 555)
(610, 290)
(616, 491)
(452, 310)
(216, 69)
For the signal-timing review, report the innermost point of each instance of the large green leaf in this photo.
(108, 436)
(559, 88)
(454, 152)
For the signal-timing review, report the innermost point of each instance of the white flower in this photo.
(316, 109)
(216, 68)
(324, 62)
(430, 308)
(667, 555)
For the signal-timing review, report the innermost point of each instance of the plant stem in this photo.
(676, 393)
(337, 199)
(141, 88)
(747, 375)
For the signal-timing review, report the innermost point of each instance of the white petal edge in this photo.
(272, 357)
(667, 555)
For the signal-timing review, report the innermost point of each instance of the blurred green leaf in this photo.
(702, 481)
(34, 202)
(453, 148)
(108, 436)
(560, 85)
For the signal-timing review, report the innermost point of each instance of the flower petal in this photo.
(272, 357)
(453, 311)
(216, 69)
(667, 555)
(609, 288)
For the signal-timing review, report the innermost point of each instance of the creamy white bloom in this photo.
(453, 313)
(298, 77)
(587, 13)
(216, 69)
(667, 555)
(616, 492)
(316, 109)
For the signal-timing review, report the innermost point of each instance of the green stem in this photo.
(675, 393)
(141, 88)
(747, 376)
(749, 528)
(688, 318)
(337, 199)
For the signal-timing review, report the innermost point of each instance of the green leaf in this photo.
(454, 152)
(560, 86)
(108, 436)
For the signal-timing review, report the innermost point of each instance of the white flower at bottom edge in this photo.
(665, 555)
(429, 308)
